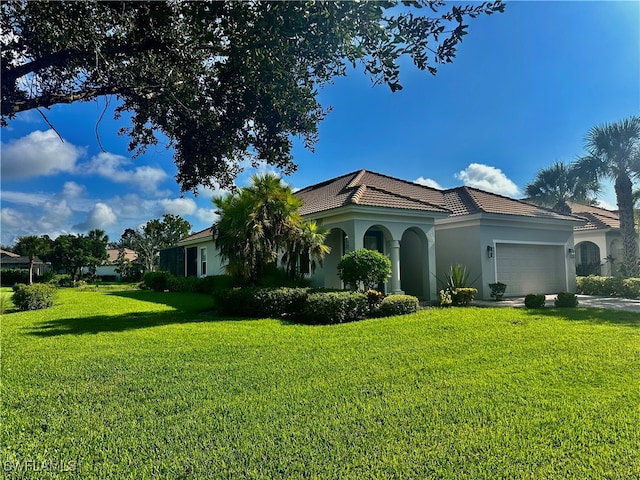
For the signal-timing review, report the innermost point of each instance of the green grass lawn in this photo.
(137, 384)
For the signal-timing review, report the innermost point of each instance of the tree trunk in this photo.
(624, 194)
(32, 258)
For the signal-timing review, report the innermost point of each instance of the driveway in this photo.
(583, 301)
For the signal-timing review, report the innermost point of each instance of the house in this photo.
(598, 243)
(107, 271)
(10, 260)
(424, 231)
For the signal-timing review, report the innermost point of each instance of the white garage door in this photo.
(531, 268)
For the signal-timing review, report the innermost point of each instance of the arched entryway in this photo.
(414, 268)
(588, 259)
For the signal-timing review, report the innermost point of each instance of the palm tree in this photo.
(554, 186)
(306, 243)
(32, 246)
(255, 226)
(613, 152)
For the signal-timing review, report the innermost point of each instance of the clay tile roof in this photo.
(370, 189)
(113, 253)
(468, 200)
(202, 234)
(597, 218)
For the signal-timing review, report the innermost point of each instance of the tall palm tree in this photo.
(306, 243)
(255, 225)
(613, 152)
(31, 246)
(554, 186)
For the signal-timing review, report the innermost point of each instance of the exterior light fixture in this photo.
(489, 251)
(571, 252)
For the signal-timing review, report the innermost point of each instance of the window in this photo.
(203, 261)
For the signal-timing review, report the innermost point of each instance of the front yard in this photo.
(137, 384)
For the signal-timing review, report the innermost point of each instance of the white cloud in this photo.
(113, 167)
(207, 215)
(487, 178)
(102, 216)
(25, 198)
(11, 218)
(57, 215)
(607, 205)
(39, 153)
(178, 206)
(72, 190)
(428, 182)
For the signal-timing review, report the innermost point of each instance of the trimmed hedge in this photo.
(566, 300)
(12, 276)
(398, 305)
(162, 281)
(609, 286)
(534, 300)
(33, 297)
(308, 305)
(463, 296)
(335, 307)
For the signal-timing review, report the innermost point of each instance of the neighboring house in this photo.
(9, 260)
(107, 271)
(424, 231)
(598, 243)
(201, 257)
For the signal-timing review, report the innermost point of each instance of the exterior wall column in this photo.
(395, 267)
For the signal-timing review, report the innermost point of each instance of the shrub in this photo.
(156, 281)
(609, 286)
(534, 300)
(631, 287)
(497, 290)
(334, 307)
(446, 299)
(398, 305)
(11, 276)
(566, 300)
(61, 280)
(181, 284)
(261, 302)
(374, 297)
(366, 268)
(463, 296)
(33, 297)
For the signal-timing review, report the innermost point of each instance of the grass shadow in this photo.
(591, 315)
(185, 308)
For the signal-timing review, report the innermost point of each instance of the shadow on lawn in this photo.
(187, 308)
(592, 315)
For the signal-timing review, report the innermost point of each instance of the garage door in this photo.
(531, 268)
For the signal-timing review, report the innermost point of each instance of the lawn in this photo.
(136, 384)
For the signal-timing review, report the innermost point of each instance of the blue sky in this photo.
(523, 91)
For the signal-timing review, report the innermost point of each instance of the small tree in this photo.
(364, 269)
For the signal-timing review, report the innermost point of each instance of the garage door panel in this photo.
(530, 268)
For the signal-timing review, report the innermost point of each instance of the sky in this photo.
(524, 89)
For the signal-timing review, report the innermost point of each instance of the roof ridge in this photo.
(326, 182)
(356, 180)
(406, 197)
(355, 198)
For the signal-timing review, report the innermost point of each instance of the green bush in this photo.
(497, 290)
(212, 283)
(364, 269)
(156, 281)
(33, 297)
(398, 305)
(566, 300)
(334, 307)
(12, 276)
(61, 280)
(609, 286)
(534, 300)
(463, 296)
(182, 284)
(261, 302)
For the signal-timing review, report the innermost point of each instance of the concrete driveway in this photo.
(625, 304)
